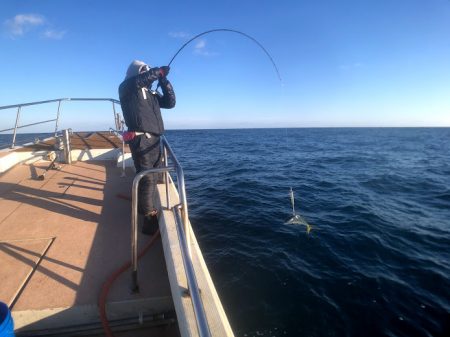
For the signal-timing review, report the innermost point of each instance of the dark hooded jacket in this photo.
(140, 106)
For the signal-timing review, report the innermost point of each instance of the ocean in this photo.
(377, 260)
(22, 138)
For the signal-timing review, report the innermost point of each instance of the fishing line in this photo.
(231, 31)
(296, 218)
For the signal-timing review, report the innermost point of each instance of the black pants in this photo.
(146, 153)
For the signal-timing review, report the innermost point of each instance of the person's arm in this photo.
(167, 100)
(143, 80)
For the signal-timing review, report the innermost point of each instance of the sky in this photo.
(343, 63)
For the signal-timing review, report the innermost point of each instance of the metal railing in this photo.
(119, 133)
(19, 107)
(180, 211)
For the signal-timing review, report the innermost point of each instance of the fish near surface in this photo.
(296, 218)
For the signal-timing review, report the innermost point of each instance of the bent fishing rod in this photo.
(230, 31)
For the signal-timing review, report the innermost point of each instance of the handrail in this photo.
(56, 120)
(197, 304)
(134, 221)
(181, 190)
(26, 125)
(57, 100)
(184, 233)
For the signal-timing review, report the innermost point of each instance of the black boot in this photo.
(150, 225)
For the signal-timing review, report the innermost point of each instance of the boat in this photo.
(73, 260)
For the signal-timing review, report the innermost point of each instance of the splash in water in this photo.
(297, 219)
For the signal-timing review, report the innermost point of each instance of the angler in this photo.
(141, 110)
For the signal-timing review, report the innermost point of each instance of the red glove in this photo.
(128, 136)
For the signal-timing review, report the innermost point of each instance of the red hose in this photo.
(109, 282)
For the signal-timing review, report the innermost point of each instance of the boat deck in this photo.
(61, 238)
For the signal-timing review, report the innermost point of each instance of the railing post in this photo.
(123, 159)
(134, 233)
(134, 222)
(57, 118)
(15, 127)
(67, 149)
(116, 117)
(184, 210)
(166, 177)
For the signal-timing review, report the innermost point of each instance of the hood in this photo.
(134, 68)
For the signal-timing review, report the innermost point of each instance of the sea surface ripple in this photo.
(377, 261)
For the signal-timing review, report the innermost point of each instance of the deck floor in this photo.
(76, 222)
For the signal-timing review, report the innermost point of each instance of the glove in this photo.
(164, 71)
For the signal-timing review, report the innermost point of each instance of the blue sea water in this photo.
(22, 138)
(377, 261)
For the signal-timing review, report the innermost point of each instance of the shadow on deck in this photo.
(61, 238)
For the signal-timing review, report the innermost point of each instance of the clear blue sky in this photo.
(343, 62)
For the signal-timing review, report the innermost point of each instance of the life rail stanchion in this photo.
(166, 176)
(120, 135)
(15, 127)
(134, 218)
(57, 118)
(123, 159)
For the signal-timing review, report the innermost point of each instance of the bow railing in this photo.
(19, 107)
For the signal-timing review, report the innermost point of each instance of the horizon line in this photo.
(261, 128)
